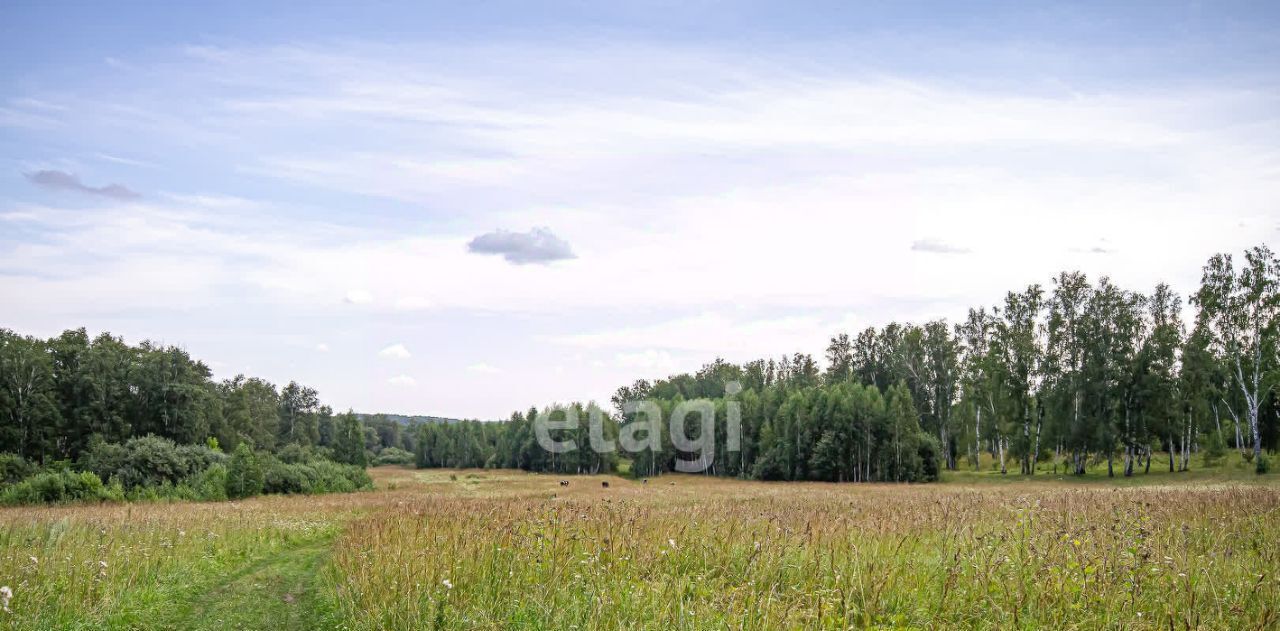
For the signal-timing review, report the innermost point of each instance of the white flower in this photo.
(446, 583)
(672, 542)
(34, 560)
(6, 595)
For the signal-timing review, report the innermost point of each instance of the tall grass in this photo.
(723, 554)
(77, 566)
(502, 550)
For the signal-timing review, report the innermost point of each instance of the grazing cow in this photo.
(644, 481)
(604, 484)
(564, 483)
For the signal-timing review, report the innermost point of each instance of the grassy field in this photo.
(505, 549)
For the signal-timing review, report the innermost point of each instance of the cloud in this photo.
(483, 368)
(413, 303)
(395, 351)
(358, 297)
(538, 245)
(63, 181)
(938, 247)
(649, 361)
(402, 380)
(322, 347)
(700, 337)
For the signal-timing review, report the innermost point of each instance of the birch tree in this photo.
(1242, 308)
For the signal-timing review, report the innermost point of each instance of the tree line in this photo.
(59, 395)
(1078, 373)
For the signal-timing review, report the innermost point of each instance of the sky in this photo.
(465, 209)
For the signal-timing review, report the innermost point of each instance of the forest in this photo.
(96, 418)
(1081, 372)
(1075, 373)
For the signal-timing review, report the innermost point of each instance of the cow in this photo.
(564, 483)
(604, 484)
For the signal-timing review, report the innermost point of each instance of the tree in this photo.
(245, 476)
(942, 377)
(1018, 345)
(981, 379)
(839, 358)
(349, 444)
(30, 411)
(298, 415)
(1242, 308)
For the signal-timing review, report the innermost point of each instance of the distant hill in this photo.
(405, 419)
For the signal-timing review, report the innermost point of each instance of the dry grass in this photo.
(488, 550)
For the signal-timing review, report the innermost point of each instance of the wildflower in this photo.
(34, 561)
(672, 542)
(6, 595)
(447, 584)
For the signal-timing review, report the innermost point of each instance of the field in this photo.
(506, 549)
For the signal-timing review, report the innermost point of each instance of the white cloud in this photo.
(402, 380)
(794, 193)
(483, 368)
(647, 362)
(938, 247)
(358, 297)
(413, 303)
(686, 343)
(395, 351)
(322, 347)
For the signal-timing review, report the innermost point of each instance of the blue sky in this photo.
(469, 208)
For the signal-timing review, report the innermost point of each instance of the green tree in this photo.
(244, 473)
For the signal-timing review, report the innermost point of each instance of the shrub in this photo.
(1263, 464)
(289, 478)
(293, 453)
(57, 487)
(1214, 449)
(393, 456)
(930, 452)
(210, 485)
(13, 468)
(244, 474)
(320, 476)
(147, 461)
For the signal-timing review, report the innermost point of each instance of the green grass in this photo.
(509, 550)
(1230, 468)
(276, 590)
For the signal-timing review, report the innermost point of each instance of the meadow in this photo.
(497, 549)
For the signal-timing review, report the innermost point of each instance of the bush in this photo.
(930, 452)
(244, 474)
(148, 461)
(153, 468)
(1263, 465)
(320, 476)
(58, 487)
(393, 456)
(1214, 449)
(288, 478)
(13, 468)
(293, 453)
(210, 485)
